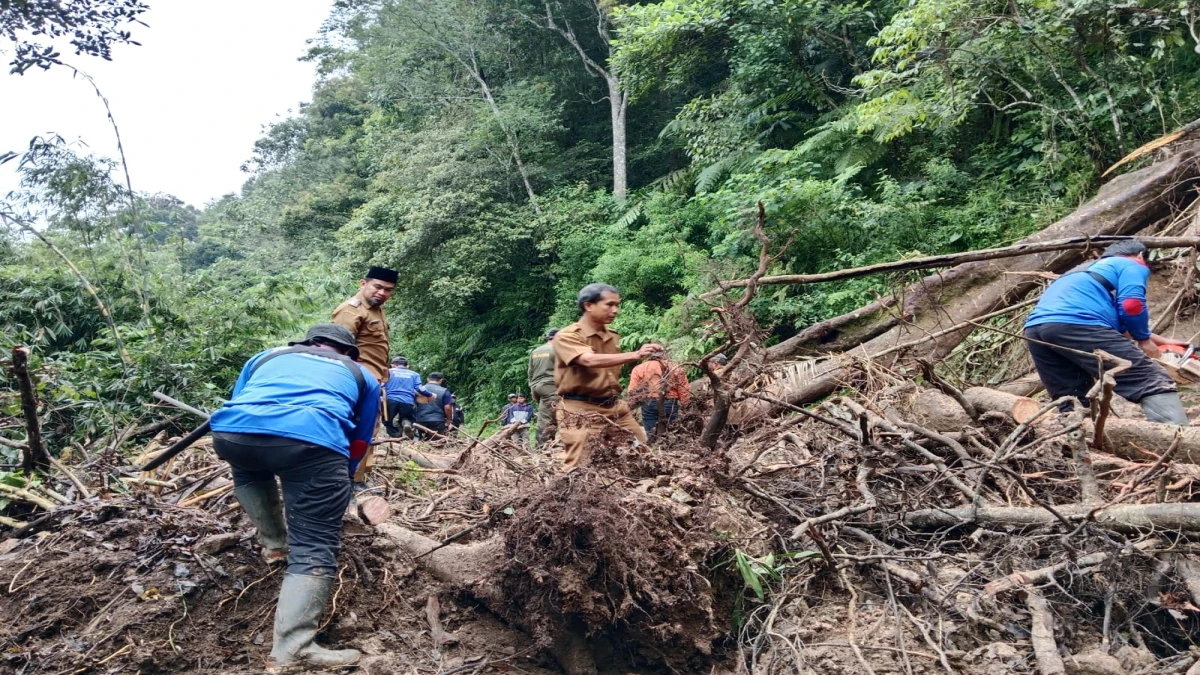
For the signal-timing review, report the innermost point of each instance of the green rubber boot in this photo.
(297, 617)
(263, 506)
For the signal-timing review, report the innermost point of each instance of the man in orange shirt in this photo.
(658, 383)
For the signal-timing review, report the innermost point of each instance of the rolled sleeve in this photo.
(368, 410)
(1132, 310)
(570, 346)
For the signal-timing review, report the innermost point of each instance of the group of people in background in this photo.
(413, 409)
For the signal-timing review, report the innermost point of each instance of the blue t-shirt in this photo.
(304, 397)
(403, 384)
(1078, 299)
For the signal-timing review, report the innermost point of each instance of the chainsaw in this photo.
(1182, 363)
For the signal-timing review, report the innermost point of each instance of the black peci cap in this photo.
(383, 274)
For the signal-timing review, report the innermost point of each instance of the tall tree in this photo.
(460, 30)
(560, 22)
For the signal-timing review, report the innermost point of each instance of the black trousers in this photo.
(1073, 374)
(398, 410)
(438, 426)
(316, 492)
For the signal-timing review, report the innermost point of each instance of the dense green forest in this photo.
(502, 153)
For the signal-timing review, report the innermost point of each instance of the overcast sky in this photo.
(190, 101)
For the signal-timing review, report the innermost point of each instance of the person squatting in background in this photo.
(305, 415)
(1102, 305)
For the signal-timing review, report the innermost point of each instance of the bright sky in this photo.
(190, 101)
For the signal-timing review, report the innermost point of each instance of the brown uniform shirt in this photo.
(370, 329)
(572, 378)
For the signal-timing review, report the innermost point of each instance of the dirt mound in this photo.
(136, 585)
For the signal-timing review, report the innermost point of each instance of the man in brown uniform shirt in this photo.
(363, 316)
(587, 369)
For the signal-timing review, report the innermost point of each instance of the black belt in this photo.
(603, 402)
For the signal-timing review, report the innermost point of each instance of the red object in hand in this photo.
(358, 449)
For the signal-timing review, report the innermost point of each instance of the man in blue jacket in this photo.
(1103, 306)
(401, 388)
(304, 413)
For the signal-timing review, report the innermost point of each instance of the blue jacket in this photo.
(304, 397)
(402, 384)
(1078, 299)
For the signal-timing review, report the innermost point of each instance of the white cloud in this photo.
(190, 101)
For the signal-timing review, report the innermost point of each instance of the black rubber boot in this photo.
(261, 502)
(297, 617)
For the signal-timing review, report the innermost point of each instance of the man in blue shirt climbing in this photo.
(401, 388)
(1103, 306)
(304, 414)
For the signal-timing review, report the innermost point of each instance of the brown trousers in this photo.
(577, 420)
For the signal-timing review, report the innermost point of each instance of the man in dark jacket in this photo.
(1103, 306)
(436, 411)
(304, 414)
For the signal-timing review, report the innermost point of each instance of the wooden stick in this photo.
(179, 404)
(83, 491)
(34, 455)
(207, 495)
(1042, 635)
(951, 259)
(26, 495)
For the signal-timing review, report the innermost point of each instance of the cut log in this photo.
(34, 456)
(927, 407)
(1132, 518)
(1138, 440)
(1020, 408)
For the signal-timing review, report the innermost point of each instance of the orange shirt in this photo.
(649, 375)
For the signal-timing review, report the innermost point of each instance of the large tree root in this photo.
(469, 567)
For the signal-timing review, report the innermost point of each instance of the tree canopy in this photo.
(470, 145)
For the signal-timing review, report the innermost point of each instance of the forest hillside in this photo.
(500, 155)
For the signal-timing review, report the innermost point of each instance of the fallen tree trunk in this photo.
(955, 297)
(1133, 439)
(464, 565)
(1023, 247)
(1128, 519)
